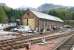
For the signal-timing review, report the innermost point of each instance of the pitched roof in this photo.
(46, 16)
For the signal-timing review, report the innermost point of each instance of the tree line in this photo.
(8, 14)
(63, 13)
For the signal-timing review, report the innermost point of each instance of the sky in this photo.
(35, 3)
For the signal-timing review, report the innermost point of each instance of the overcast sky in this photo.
(36, 3)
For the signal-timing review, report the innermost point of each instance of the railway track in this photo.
(22, 41)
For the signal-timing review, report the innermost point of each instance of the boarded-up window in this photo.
(31, 23)
(25, 22)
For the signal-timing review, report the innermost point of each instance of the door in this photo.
(31, 23)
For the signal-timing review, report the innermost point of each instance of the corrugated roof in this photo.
(46, 16)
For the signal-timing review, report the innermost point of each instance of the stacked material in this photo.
(13, 40)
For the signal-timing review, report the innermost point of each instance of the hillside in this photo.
(46, 7)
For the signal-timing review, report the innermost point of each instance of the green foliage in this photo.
(15, 14)
(3, 16)
(11, 14)
(63, 13)
(69, 22)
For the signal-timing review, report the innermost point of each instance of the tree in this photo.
(3, 16)
(63, 13)
(13, 14)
